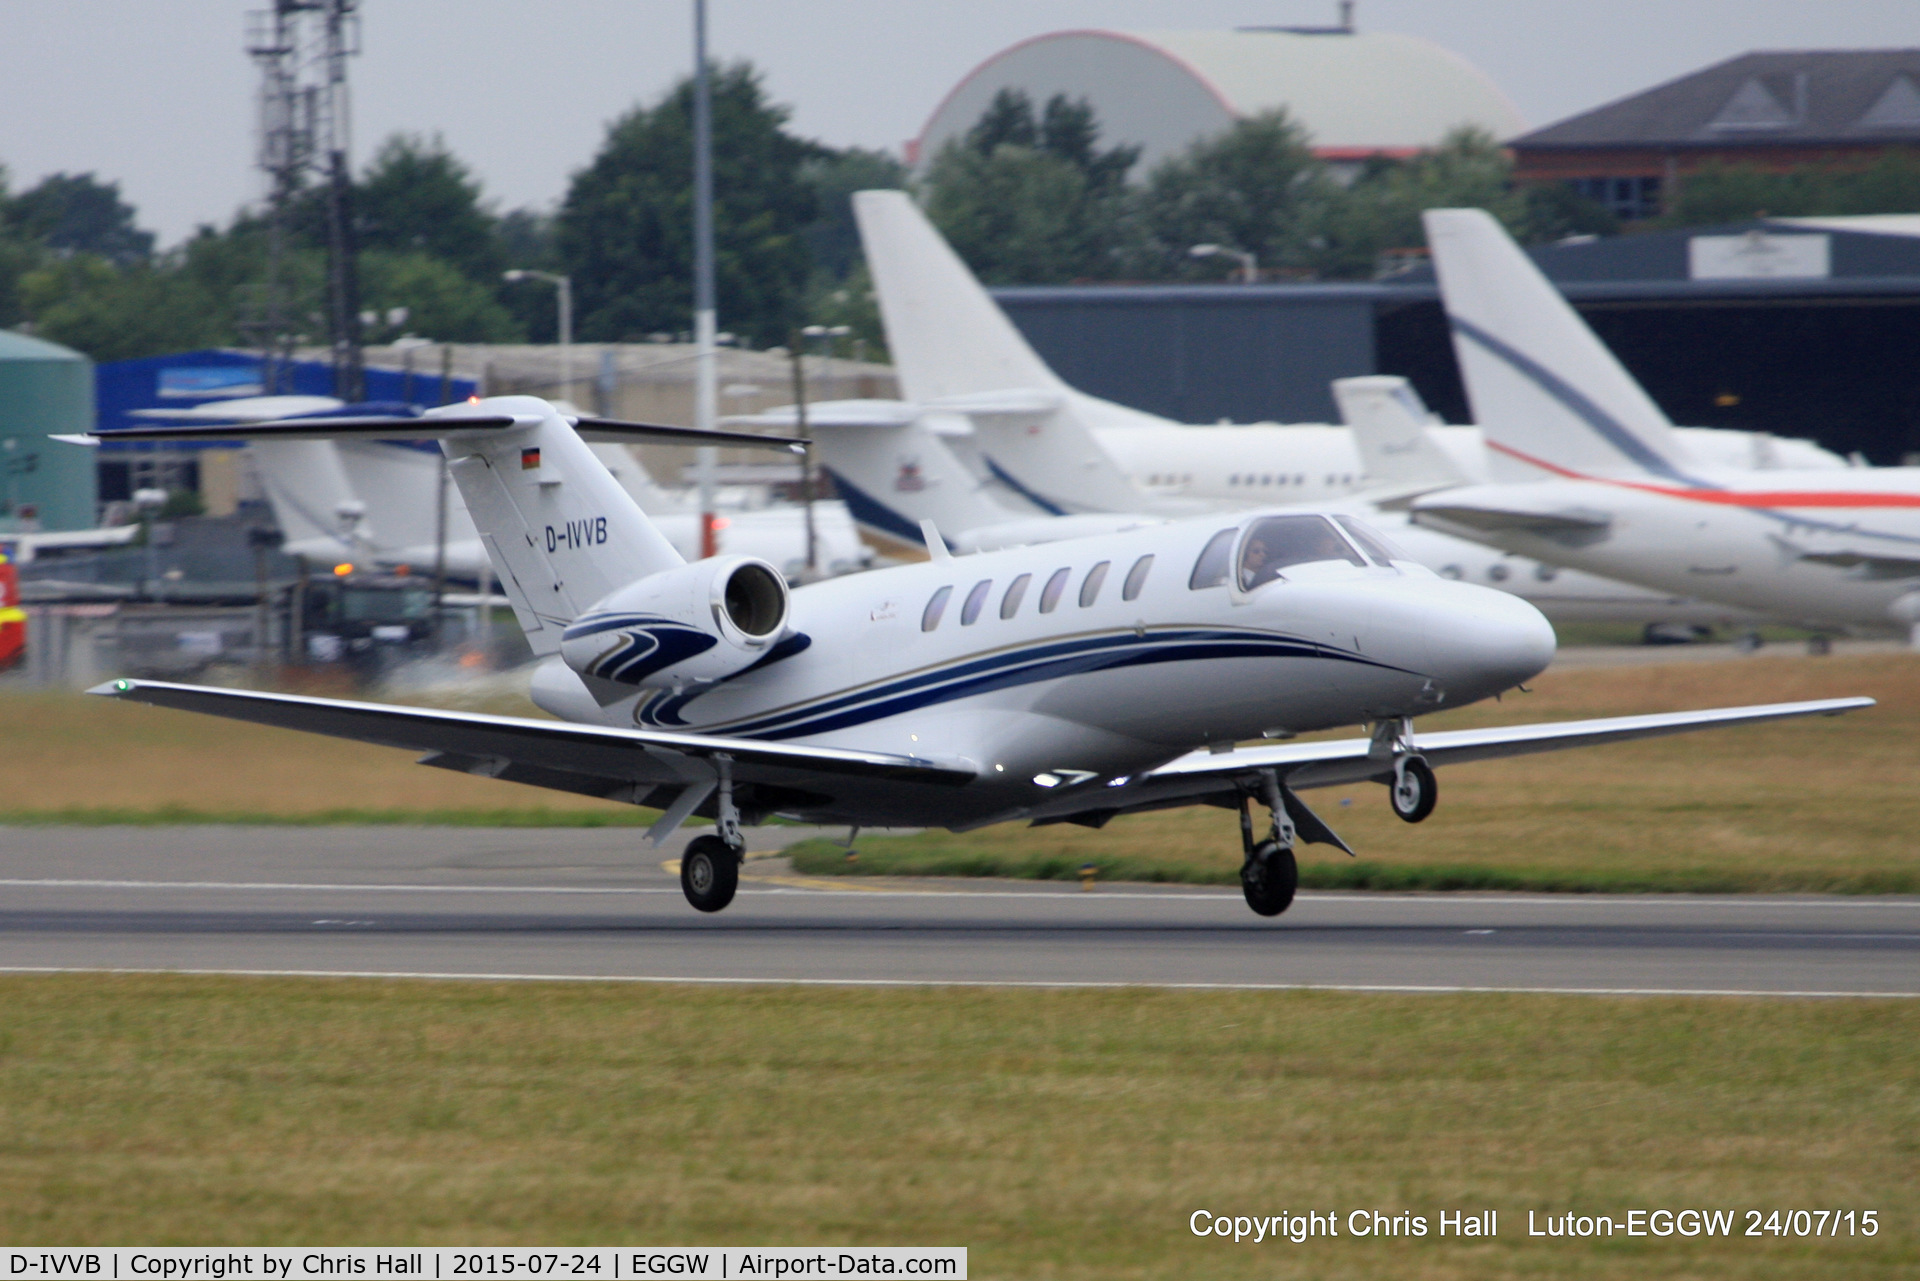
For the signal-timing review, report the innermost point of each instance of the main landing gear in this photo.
(1269, 875)
(710, 868)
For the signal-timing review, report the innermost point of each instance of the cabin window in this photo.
(1136, 578)
(1050, 594)
(970, 611)
(1010, 603)
(1279, 541)
(1090, 589)
(930, 617)
(1215, 560)
(1371, 541)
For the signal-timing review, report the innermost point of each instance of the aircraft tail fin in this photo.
(894, 470)
(947, 337)
(1549, 396)
(1389, 422)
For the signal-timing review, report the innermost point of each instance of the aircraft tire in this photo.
(1414, 792)
(1269, 878)
(709, 873)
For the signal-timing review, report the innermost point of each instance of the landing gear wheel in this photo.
(1413, 791)
(1269, 878)
(709, 873)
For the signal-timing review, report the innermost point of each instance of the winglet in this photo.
(936, 545)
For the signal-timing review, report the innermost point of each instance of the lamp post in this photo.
(565, 286)
(1249, 265)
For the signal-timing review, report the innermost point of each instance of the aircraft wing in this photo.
(1199, 776)
(1450, 509)
(641, 767)
(1868, 564)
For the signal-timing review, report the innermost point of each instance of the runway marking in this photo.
(723, 981)
(1111, 894)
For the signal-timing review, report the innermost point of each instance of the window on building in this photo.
(930, 618)
(1136, 578)
(1629, 199)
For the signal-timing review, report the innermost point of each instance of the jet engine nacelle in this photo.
(699, 622)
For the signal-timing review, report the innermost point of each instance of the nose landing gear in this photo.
(1412, 790)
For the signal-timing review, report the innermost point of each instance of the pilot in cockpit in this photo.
(1280, 541)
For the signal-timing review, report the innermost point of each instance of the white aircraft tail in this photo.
(1547, 393)
(312, 499)
(947, 337)
(893, 470)
(1390, 425)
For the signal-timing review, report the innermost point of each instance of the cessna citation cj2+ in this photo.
(1067, 682)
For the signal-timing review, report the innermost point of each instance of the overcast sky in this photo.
(158, 95)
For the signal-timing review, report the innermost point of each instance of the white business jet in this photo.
(1064, 683)
(1599, 480)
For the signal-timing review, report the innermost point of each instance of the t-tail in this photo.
(560, 531)
(1548, 394)
(1389, 422)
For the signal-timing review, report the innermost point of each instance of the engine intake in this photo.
(700, 622)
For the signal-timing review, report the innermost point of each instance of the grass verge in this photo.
(1058, 1134)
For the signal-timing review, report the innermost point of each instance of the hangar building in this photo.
(1771, 111)
(1358, 93)
(1800, 327)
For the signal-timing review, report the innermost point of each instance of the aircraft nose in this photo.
(1495, 642)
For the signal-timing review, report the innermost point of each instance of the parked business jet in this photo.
(1598, 480)
(1064, 683)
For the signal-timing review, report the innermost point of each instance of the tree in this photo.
(1253, 188)
(80, 214)
(416, 197)
(1032, 201)
(626, 226)
(441, 303)
(112, 312)
(1718, 193)
(1381, 210)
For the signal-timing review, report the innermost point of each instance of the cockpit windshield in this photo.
(1279, 541)
(1371, 540)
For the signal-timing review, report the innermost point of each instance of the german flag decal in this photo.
(529, 459)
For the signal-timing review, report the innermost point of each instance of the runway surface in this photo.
(592, 904)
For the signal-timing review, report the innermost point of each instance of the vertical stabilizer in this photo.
(308, 489)
(559, 529)
(947, 337)
(893, 471)
(1389, 422)
(1546, 392)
